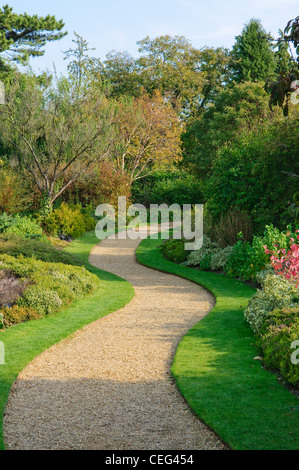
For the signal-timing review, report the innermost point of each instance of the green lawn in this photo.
(215, 370)
(25, 341)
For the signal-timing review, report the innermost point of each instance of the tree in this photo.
(252, 54)
(147, 136)
(187, 77)
(286, 83)
(237, 110)
(54, 131)
(23, 36)
(121, 71)
(83, 69)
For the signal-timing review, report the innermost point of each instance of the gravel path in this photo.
(108, 386)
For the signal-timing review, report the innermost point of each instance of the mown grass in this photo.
(25, 341)
(215, 370)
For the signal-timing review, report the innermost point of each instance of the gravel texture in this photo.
(108, 386)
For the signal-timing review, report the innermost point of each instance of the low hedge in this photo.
(14, 245)
(50, 286)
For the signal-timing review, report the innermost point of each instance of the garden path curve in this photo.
(108, 386)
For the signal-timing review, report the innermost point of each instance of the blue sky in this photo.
(119, 24)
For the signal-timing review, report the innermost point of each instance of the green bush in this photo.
(219, 258)
(248, 259)
(281, 328)
(14, 245)
(68, 221)
(173, 187)
(174, 250)
(5, 222)
(25, 227)
(211, 257)
(51, 285)
(277, 292)
(203, 256)
(42, 301)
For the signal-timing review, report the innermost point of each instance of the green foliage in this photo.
(277, 292)
(254, 174)
(279, 330)
(237, 110)
(6, 221)
(69, 221)
(187, 77)
(175, 187)
(14, 245)
(248, 259)
(24, 227)
(24, 35)
(51, 285)
(174, 250)
(253, 56)
(287, 70)
(211, 257)
(219, 258)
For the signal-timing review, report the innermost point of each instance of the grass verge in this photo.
(215, 370)
(25, 341)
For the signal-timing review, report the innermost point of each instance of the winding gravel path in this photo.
(108, 386)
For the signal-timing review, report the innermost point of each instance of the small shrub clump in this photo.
(278, 331)
(50, 285)
(276, 292)
(68, 221)
(210, 257)
(17, 314)
(24, 227)
(174, 250)
(14, 245)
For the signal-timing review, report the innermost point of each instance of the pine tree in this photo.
(252, 53)
(23, 36)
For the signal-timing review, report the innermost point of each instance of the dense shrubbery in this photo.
(174, 187)
(276, 292)
(14, 196)
(68, 221)
(21, 226)
(210, 257)
(50, 285)
(174, 250)
(248, 259)
(252, 174)
(273, 312)
(14, 245)
(17, 314)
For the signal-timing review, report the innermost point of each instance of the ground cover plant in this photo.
(216, 370)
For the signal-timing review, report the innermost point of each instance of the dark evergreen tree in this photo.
(252, 54)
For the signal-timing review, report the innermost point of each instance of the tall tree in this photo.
(187, 77)
(23, 36)
(54, 132)
(147, 136)
(252, 54)
(286, 83)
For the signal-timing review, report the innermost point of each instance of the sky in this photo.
(118, 24)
